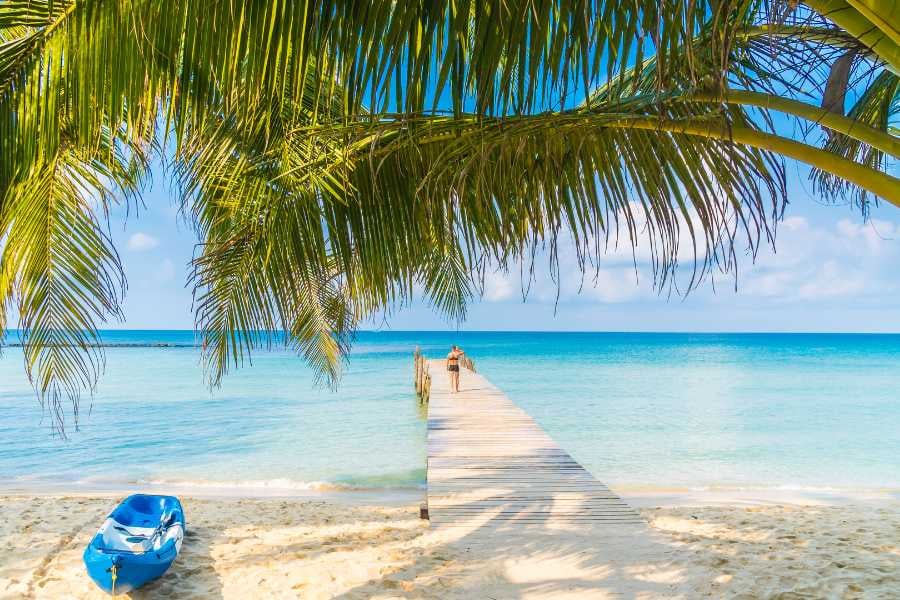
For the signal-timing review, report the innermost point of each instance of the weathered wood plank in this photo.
(488, 459)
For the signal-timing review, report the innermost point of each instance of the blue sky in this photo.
(831, 272)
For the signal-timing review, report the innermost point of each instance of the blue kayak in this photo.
(136, 544)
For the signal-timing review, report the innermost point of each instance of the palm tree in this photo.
(336, 158)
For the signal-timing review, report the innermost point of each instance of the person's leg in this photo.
(454, 381)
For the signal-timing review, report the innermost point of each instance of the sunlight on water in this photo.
(636, 409)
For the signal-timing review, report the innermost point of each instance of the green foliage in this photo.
(339, 158)
(60, 267)
(877, 107)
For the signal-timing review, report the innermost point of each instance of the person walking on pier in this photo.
(453, 367)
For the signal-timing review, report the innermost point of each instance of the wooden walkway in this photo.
(489, 461)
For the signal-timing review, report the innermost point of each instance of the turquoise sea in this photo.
(817, 411)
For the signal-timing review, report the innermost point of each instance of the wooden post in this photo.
(417, 370)
(421, 376)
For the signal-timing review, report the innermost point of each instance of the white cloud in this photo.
(141, 241)
(498, 287)
(831, 281)
(165, 271)
(614, 282)
(814, 264)
(612, 286)
(767, 284)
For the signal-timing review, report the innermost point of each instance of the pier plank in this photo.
(489, 460)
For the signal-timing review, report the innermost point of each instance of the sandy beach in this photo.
(300, 548)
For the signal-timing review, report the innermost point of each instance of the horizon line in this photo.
(561, 331)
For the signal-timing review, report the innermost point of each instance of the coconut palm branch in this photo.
(264, 265)
(470, 143)
(783, 67)
(878, 108)
(873, 22)
(59, 266)
(419, 200)
(337, 158)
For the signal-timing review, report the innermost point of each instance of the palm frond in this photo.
(874, 28)
(249, 294)
(337, 158)
(774, 65)
(62, 269)
(73, 66)
(264, 273)
(507, 184)
(878, 107)
(447, 278)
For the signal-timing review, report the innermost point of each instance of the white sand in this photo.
(268, 548)
(787, 552)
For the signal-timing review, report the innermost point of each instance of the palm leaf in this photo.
(338, 158)
(877, 107)
(264, 271)
(61, 267)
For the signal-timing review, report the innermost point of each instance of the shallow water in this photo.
(658, 410)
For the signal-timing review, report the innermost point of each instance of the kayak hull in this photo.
(131, 572)
(137, 543)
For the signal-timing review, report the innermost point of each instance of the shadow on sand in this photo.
(193, 574)
(531, 556)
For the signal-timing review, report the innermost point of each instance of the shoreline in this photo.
(639, 496)
(352, 497)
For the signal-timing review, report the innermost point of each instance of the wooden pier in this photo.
(489, 462)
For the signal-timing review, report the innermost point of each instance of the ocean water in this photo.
(816, 411)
